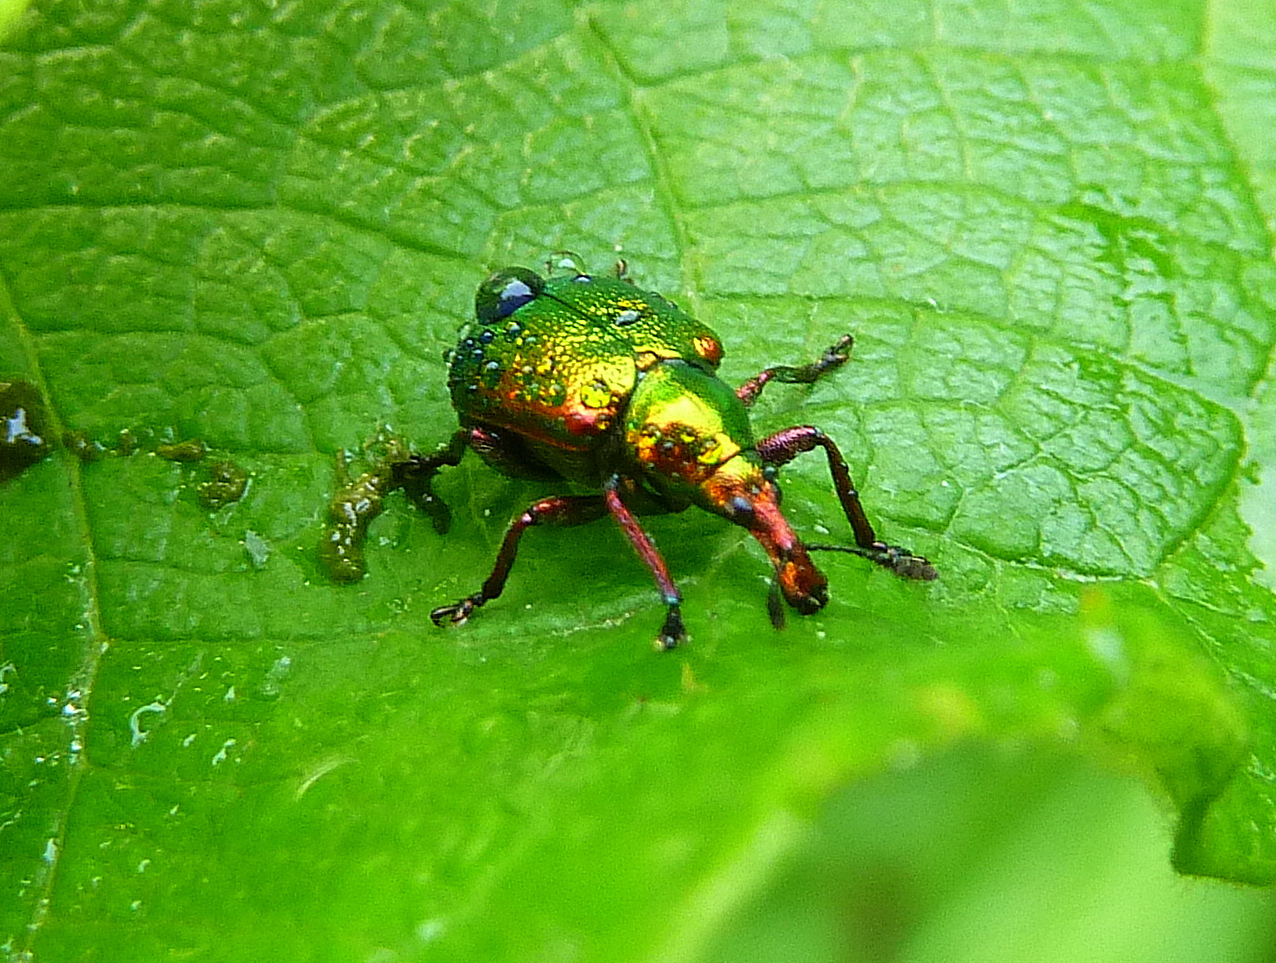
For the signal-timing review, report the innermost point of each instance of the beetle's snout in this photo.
(752, 501)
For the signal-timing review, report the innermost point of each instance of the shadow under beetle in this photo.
(594, 381)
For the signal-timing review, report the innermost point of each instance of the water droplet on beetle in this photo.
(566, 264)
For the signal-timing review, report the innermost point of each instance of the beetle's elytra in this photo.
(594, 381)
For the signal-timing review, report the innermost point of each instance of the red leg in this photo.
(559, 510)
(785, 445)
(834, 357)
(672, 631)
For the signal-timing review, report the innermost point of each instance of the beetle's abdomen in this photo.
(545, 374)
(555, 360)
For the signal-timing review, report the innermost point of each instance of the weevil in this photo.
(591, 380)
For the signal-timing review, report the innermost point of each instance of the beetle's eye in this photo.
(505, 292)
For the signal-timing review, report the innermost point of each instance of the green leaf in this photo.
(1048, 225)
(10, 14)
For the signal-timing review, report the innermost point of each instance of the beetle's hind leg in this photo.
(834, 357)
(557, 510)
(416, 476)
(786, 444)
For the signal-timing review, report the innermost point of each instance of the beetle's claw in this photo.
(836, 356)
(898, 559)
(672, 632)
(840, 353)
(455, 614)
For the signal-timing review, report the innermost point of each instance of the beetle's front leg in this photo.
(834, 357)
(786, 444)
(416, 476)
(558, 510)
(672, 631)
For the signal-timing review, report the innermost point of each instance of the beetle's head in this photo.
(690, 437)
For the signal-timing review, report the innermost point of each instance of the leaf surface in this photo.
(1048, 225)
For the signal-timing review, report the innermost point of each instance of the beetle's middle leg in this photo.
(786, 444)
(556, 510)
(834, 357)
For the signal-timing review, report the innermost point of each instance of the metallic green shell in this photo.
(560, 368)
(683, 424)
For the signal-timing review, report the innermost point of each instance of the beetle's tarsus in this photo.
(458, 613)
(673, 632)
(898, 559)
(416, 476)
(841, 350)
(833, 357)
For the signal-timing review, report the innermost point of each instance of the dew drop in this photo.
(566, 264)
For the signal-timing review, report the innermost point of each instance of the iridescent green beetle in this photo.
(594, 381)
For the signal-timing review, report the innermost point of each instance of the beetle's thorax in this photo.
(680, 425)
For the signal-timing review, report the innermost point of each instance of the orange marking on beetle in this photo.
(708, 348)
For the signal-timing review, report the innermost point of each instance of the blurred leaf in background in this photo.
(995, 857)
(1048, 224)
